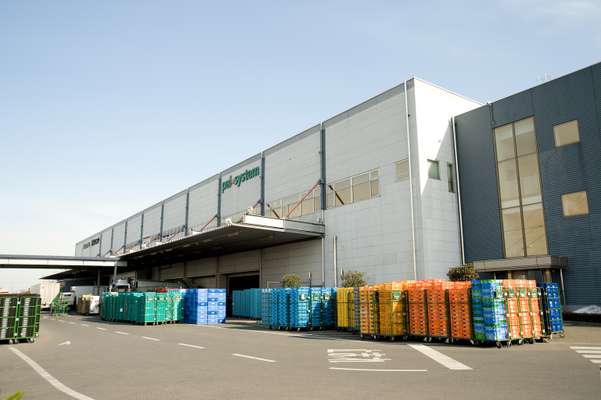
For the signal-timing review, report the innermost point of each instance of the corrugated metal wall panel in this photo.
(118, 237)
(569, 169)
(478, 179)
(236, 199)
(302, 167)
(152, 222)
(134, 225)
(175, 214)
(203, 205)
(105, 243)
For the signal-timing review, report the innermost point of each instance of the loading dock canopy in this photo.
(521, 264)
(57, 262)
(253, 232)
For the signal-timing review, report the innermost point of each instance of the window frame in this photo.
(520, 204)
(451, 181)
(563, 210)
(431, 163)
(565, 123)
(332, 195)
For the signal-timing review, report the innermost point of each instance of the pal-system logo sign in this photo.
(239, 179)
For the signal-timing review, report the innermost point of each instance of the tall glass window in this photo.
(522, 217)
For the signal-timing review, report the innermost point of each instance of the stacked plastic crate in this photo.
(416, 299)
(391, 302)
(460, 310)
(488, 309)
(328, 299)
(345, 308)
(274, 308)
(28, 324)
(357, 309)
(216, 306)
(299, 307)
(8, 316)
(369, 314)
(553, 316)
(316, 307)
(283, 308)
(196, 306)
(438, 316)
(266, 307)
(146, 308)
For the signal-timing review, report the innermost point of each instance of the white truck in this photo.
(48, 289)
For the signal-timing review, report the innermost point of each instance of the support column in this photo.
(187, 218)
(263, 184)
(162, 220)
(219, 200)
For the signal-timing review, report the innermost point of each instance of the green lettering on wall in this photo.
(239, 179)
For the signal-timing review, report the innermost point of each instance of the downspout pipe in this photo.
(411, 206)
(458, 189)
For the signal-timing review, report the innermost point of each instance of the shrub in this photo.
(353, 279)
(462, 273)
(291, 281)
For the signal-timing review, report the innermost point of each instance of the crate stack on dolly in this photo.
(418, 310)
(316, 308)
(283, 309)
(392, 310)
(266, 307)
(489, 313)
(328, 299)
(216, 306)
(369, 312)
(145, 308)
(275, 293)
(196, 306)
(299, 308)
(345, 308)
(19, 317)
(552, 312)
(439, 324)
(460, 315)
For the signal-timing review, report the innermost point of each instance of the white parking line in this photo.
(595, 361)
(585, 347)
(49, 378)
(72, 323)
(101, 328)
(150, 338)
(440, 358)
(86, 325)
(253, 357)
(591, 355)
(191, 345)
(121, 333)
(588, 351)
(378, 370)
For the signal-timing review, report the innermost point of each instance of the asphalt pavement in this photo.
(80, 357)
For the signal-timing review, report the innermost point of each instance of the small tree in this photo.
(291, 281)
(353, 279)
(463, 273)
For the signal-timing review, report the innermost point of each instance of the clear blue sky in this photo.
(107, 107)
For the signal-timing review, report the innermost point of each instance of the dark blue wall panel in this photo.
(563, 170)
(478, 180)
(569, 169)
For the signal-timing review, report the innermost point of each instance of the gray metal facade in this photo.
(566, 169)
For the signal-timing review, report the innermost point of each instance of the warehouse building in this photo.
(371, 189)
(530, 185)
(376, 189)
